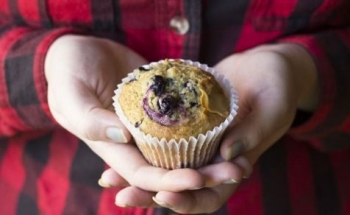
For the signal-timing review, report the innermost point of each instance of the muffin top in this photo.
(173, 100)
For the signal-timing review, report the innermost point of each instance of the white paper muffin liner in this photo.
(191, 153)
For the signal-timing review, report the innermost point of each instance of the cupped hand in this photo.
(272, 82)
(82, 73)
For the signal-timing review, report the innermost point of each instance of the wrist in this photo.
(53, 54)
(304, 72)
(67, 50)
(306, 77)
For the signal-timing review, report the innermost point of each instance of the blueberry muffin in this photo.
(173, 100)
(177, 111)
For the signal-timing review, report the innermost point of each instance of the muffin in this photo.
(176, 111)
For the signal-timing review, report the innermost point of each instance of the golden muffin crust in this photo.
(173, 100)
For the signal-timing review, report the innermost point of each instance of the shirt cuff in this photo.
(23, 94)
(326, 128)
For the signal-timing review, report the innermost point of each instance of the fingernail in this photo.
(234, 150)
(104, 184)
(230, 181)
(163, 204)
(116, 134)
(245, 164)
(107, 180)
(123, 205)
(196, 188)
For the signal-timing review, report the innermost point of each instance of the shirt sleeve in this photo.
(329, 126)
(23, 88)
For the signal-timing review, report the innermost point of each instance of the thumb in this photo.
(79, 111)
(100, 124)
(259, 129)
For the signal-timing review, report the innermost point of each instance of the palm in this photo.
(266, 98)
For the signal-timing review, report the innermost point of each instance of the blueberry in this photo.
(168, 104)
(142, 68)
(134, 79)
(159, 85)
(193, 104)
(137, 124)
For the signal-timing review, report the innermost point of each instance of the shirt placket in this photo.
(193, 13)
(178, 23)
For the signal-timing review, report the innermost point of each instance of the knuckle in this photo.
(253, 140)
(87, 129)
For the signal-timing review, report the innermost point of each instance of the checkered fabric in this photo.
(45, 170)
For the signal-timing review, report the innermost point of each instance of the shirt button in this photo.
(179, 25)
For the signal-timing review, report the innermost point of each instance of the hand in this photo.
(272, 82)
(82, 73)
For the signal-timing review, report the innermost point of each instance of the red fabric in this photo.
(301, 187)
(46, 170)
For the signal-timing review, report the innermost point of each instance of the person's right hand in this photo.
(82, 73)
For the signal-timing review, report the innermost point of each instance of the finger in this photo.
(206, 200)
(138, 172)
(111, 178)
(221, 173)
(135, 197)
(226, 172)
(80, 112)
(264, 124)
(245, 165)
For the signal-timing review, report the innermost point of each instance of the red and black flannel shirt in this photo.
(46, 170)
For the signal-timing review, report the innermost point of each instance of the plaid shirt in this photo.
(46, 170)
